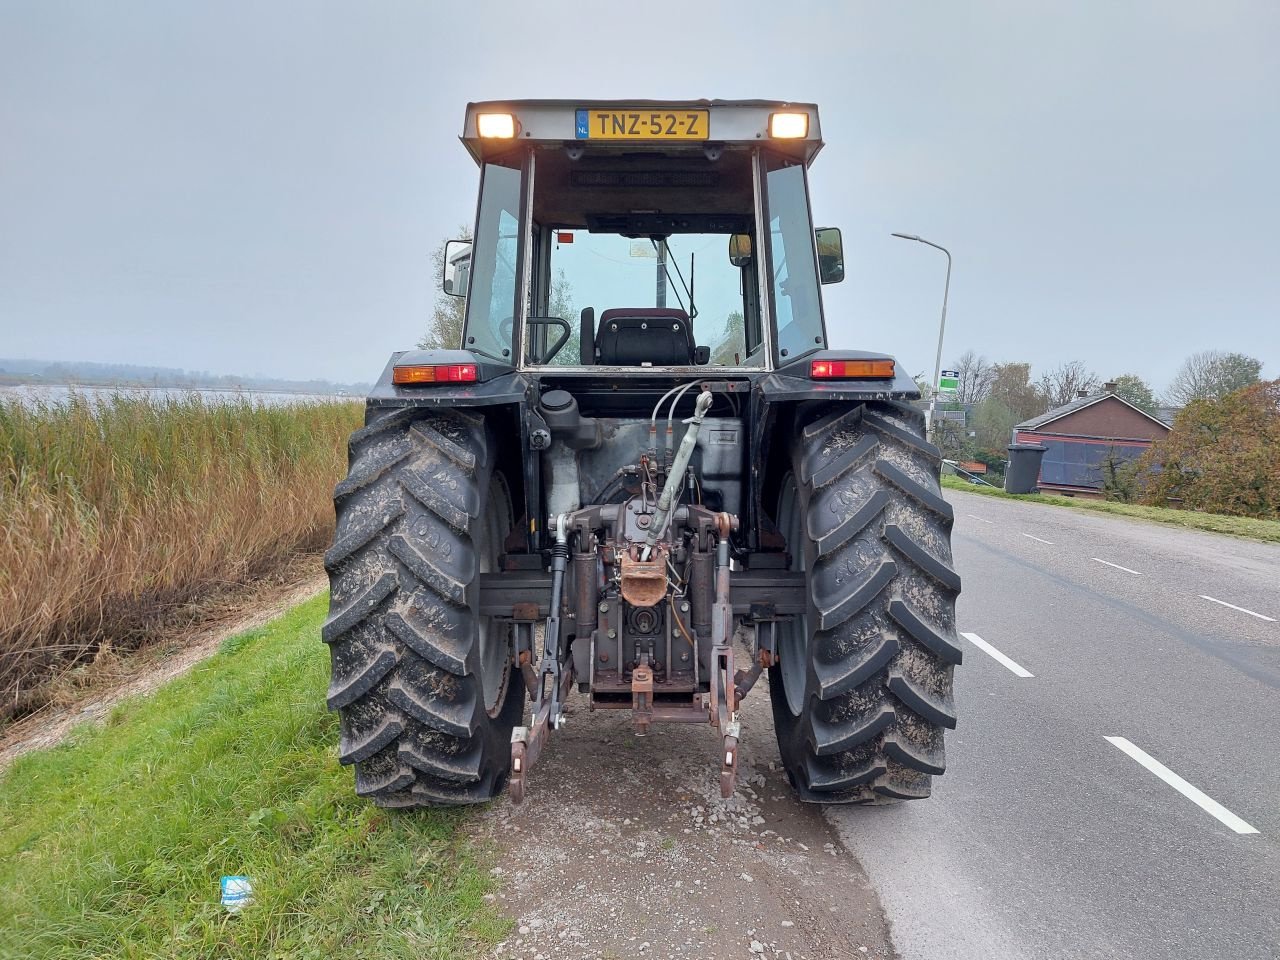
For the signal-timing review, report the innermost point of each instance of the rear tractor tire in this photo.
(862, 690)
(423, 685)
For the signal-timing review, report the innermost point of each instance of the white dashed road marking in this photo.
(1202, 800)
(1117, 566)
(1037, 539)
(995, 654)
(1241, 609)
(983, 519)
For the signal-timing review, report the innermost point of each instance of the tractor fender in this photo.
(508, 397)
(778, 399)
(792, 381)
(496, 383)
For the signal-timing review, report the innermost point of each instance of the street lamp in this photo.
(942, 326)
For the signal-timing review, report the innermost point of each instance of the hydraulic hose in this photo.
(551, 637)
(680, 389)
(676, 475)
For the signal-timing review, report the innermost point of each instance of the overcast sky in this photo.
(257, 187)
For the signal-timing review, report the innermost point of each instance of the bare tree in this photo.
(730, 347)
(1012, 388)
(444, 331)
(951, 438)
(560, 304)
(976, 377)
(1211, 374)
(1066, 382)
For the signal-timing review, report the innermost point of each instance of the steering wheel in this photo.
(505, 329)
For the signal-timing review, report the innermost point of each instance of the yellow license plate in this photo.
(643, 124)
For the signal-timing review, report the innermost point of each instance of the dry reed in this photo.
(115, 510)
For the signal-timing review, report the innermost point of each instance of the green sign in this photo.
(949, 380)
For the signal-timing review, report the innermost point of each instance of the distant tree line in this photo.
(96, 374)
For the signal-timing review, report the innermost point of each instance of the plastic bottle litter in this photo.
(237, 893)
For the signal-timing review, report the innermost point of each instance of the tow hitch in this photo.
(652, 667)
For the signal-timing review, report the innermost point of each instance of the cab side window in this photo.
(797, 307)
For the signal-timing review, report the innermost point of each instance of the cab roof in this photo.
(728, 123)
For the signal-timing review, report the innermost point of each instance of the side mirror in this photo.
(830, 254)
(740, 249)
(457, 267)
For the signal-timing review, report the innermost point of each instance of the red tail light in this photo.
(439, 373)
(851, 370)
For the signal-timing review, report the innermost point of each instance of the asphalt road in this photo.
(1045, 838)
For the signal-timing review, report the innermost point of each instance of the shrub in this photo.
(1222, 456)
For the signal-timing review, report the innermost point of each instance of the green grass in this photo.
(1267, 531)
(112, 845)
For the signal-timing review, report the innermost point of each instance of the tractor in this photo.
(641, 477)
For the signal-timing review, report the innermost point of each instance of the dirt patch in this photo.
(625, 849)
(88, 693)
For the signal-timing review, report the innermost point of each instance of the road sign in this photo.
(949, 380)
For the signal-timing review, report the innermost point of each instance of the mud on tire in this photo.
(423, 685)
(863, 689)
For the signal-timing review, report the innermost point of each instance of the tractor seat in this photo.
(636, 336)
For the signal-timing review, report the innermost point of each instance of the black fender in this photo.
(496, 383)
(499, 393)
(777, 400)
(792, 381)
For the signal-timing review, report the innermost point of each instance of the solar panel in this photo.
(1081, 464)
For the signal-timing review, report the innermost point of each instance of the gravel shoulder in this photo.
(624, 848)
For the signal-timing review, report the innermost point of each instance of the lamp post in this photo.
(931, 431)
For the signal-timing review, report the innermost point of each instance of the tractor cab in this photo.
(643, 237)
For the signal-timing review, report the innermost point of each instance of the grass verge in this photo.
(115, 511)
(1267, 531)
(112, 844)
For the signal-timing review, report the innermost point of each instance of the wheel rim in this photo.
(493, 637)
(793, 634)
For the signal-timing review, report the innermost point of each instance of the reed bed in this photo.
(116, 510)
